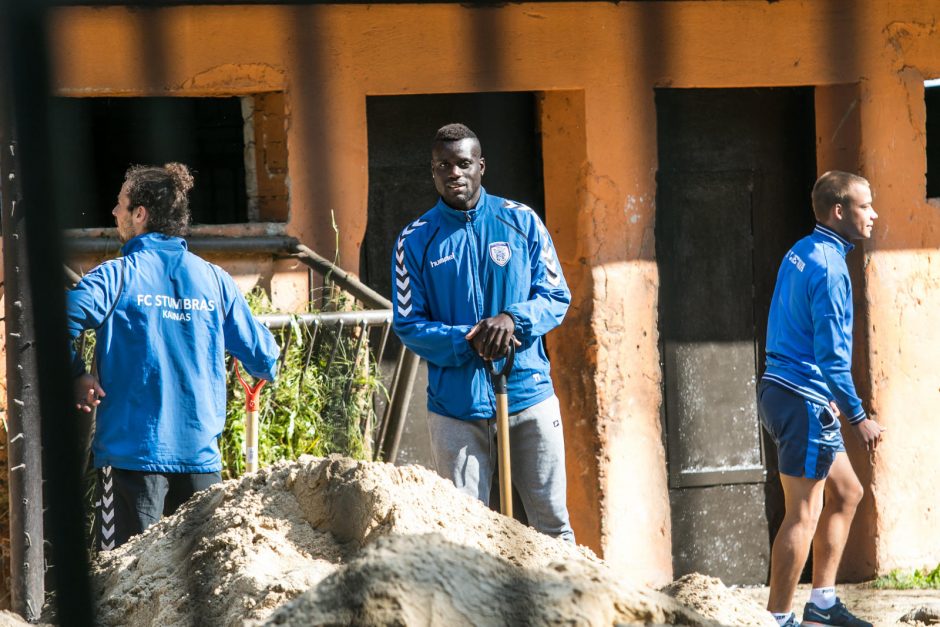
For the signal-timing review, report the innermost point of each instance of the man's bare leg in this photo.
(803, 502)
(843, 494)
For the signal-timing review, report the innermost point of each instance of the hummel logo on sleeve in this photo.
(402, 278)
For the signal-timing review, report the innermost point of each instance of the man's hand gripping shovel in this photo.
(500, 388)
(251, 419)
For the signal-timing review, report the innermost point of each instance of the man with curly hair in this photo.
(164, 319)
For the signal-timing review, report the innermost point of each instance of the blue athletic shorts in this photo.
(807, 435)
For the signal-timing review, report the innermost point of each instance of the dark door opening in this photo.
(736, 167)
(401, 129)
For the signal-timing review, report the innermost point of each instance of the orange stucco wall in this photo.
(596, 65)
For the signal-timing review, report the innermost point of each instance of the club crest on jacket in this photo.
(500, 253)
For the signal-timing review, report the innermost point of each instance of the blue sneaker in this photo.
(835, 615)
(791, 622)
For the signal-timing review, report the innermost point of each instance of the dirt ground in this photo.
(881, 607)
(338, 542)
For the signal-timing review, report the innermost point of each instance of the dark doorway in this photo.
(736, 167)
(401, 129)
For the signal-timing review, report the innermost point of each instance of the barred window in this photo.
(236, 147)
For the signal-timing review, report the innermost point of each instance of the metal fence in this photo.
(373, 318)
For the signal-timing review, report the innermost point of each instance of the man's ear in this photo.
(838, 211)
(482, 166)
(141, 214)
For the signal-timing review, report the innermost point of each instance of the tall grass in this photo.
(313, 406)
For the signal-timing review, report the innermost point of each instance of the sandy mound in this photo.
(332, 541)
(427, 580)
(9, 619)
(927, 615)
(710, 597)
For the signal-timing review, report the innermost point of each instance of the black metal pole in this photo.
(24, 45)
(342, 278)
(398, 405)
(24, 440)
(248, 245)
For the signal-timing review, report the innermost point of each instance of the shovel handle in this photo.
(502, 445)
(501, 375)
(251, 419)
(500, 387)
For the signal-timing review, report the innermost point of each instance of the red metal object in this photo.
(251, 419)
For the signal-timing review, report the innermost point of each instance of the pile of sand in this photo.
(333, 541)
(709, 596)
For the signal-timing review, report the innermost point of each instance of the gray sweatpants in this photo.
(465, 452)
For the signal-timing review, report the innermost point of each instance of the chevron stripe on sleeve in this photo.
(402, 278)
(549, 258)
(106, 512)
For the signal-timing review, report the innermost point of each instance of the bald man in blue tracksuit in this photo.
(806, 386)
(474, 274)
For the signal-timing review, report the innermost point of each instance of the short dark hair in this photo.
(454, 133)
(163, 192)
(831, 189)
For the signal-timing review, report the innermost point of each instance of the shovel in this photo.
(251, 420)
(500, 378)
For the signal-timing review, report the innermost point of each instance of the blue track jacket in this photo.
(161, 354)
(452, 269)
(809, 332)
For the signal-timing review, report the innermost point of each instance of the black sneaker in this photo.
(835, 615)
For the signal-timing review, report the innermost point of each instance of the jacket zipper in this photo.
(477, 291)
(472, 245)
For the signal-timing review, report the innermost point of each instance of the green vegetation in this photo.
(920, 579)
(320, 403)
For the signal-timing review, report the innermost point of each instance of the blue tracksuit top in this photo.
(809, 332)
(452, 269)
(161, 354)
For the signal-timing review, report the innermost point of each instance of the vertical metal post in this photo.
(24, 441)
(24, 46)
(398, 405)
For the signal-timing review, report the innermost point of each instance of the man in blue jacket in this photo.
(806, 386)
(473, 274)
(164, 319)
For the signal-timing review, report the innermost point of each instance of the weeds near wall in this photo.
(920, 579)
(320, 403)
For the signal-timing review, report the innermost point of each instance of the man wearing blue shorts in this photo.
(806, 386)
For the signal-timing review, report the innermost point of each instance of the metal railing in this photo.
(392, 424)
(376, 316)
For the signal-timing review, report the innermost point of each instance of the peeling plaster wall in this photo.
(905, 387)
(597, 64)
